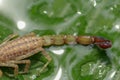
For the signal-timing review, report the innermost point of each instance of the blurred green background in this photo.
(75, 17)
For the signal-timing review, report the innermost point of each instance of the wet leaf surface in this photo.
(53, 17)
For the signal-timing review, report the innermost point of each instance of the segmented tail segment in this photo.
(70, 39)
(58, 40)
(85, 40)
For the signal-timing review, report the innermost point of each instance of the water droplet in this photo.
(117, 26)
(79, 13)
(21, 25)
(59, 52)
(33, 77)
(45, 12)
(58, 76)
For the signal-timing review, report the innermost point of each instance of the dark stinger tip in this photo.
(102, 43)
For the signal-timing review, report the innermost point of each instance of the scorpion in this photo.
(16, 50)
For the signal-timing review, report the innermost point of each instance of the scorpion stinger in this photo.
(102, 43)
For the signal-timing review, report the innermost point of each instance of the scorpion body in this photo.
(13, 52)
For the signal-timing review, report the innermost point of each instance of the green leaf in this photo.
(54, 17)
